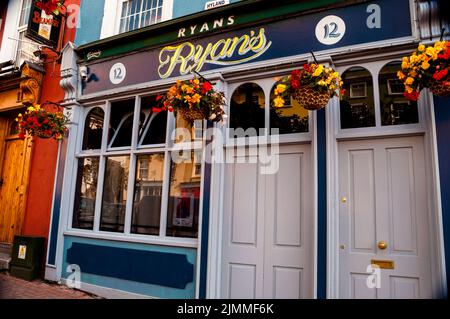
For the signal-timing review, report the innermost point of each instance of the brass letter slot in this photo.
(383, 264)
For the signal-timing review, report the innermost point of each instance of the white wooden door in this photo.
(383, 198)
(268, 228)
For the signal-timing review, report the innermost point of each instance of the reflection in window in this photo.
(148, 194)
(115, 187)
(291, 118)
(247, 107)
(357, 106)
(93, 128)
(86, 191)
(154, 130)
(184, 198)
(121, 123)
(395, 108)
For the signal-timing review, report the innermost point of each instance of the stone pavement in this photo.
(15, 288)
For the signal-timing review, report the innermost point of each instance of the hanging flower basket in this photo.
(312, 87)
(427, 67)
(50, 6)
(41, 123)
(440, 88)
(194, 100)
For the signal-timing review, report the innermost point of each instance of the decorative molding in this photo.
(69, 73)
(30, 84)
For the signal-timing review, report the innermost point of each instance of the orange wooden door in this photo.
(14, 171)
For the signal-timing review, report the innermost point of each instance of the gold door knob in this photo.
(382, 245)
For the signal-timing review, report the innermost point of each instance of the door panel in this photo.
(267, 228)
(384, 181)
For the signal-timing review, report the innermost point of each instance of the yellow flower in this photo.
(405, 65)
(37, 107)
(409, 80)
(278, 101)
(20, 115)
(322, 83)
(318, 71)
(421, 47)
(401, 75)
(408, 89)
(196, 98)
(413, 58)
(196, 81)
(335, 75)
(425, 65)
(430, 51)
(280, 89)
(405, 59)
(31, 108)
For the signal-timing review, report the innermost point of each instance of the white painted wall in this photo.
(9, 47)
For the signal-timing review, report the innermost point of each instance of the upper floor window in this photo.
(137, 14)
(25, 47)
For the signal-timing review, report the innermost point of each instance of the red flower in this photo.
(22, 135)
(413, 96)
(159, 97)
(170, 109)
(296, 73)
(156, 110)
(206, 87)
(440, 75)
(295, 84)
(307, 68)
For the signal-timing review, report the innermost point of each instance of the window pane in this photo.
(147, 194)
(395, 108)
(25, 13)
(247, 108)
(121, 123)
(291, 118)
(357, 106)
(93, 129)
(115, 187)
(155, 124)
(86, 191)
(139, 13)
(184, 198)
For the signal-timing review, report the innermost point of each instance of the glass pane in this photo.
(291, 118)
(25, 13)
(155, 125)
(86, 191)
(93, 129)
(395, 108)
(247, 108)
(121, 123)
(357, 106)
(188, 131)
(115, 193)
(184, 198)
(147, 194)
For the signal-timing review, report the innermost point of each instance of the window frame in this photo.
(378, 130)
(133, 151)
(352, 96)
(112, 12)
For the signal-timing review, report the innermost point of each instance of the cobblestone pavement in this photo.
(15, 288)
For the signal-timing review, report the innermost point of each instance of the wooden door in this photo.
(384, 200)
(267, 247)
(14, 170)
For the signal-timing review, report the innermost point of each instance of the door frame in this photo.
(426, 128)
(214, 258)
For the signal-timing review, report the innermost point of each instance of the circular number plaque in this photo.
(117, 73)
(330, 30)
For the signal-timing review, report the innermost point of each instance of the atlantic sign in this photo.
(352, 25)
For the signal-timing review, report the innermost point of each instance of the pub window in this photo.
(395, 108)
(357, 107)
(86, 192)
(93, 129)
(140, 185)
(290, 118)
(247, 108)
(154, 127)
(25, 46)
(140, 13)
(184, 198)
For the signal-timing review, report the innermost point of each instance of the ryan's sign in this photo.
(352, 25)
(44, 28)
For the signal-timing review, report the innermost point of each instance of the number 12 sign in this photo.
(330, 30)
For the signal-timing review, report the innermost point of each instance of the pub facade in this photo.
(359, 183)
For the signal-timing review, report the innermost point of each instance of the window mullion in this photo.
(99, 197)
(165, 194)
(130, 193)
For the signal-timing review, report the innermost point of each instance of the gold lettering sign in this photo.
(383, 264)
(189, 57)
